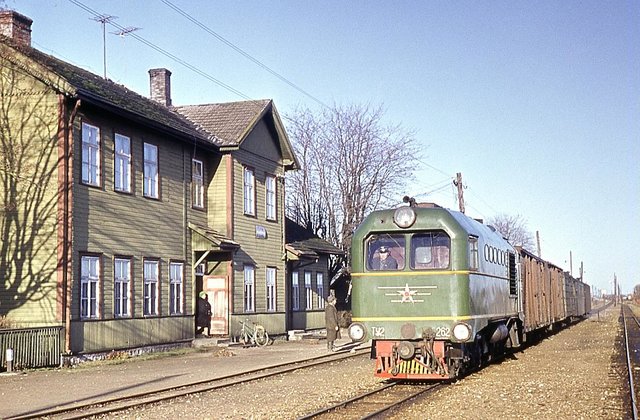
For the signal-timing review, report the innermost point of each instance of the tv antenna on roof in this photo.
(104, 19)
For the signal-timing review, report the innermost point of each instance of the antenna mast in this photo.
(104, 19)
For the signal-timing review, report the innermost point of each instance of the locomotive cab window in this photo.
(430, 250)
(385, 252)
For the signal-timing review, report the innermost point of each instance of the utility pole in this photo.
(615, 288)
(458, 183)
(104, 19)
(538, 242)
(570, 263)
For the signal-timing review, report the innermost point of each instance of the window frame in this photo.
(176, 288)
(295, 291)
(434, 235)
(249, 289)
(122, 289)
(474, 254)
(197, 184)
(308, 291)
(271, 198)
(271, 281)
(150, 288)
(151, 171)
(249, 191)
(320, 289)
(122, 165)
(91, 156)
(90, 283)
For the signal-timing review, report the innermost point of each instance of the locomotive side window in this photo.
(430, 250)
(385, 252)
(474, 261)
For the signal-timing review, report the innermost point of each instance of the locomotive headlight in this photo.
(404, 217)
(462, 332)
(356, 331)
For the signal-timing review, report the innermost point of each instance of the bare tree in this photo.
(351, 164)
(514, 229)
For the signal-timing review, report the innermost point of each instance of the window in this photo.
(176, 271)
(249, 192)
(151, 287)
(89, 282)
(295, 292)
(385, 252)
(90, 154)
(121, 286)
(197, 182)
(271, 289)
(249, 288)
(430, 250)
(473, 253)
(150, 188)
(308, 291)
(320, 286)
(270, 185)
(122, 164)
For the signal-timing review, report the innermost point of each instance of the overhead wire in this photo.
(242, 52)
(166, 53)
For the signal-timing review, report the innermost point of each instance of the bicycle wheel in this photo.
(261, 337)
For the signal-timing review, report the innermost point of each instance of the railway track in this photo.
(113, 405)
(374, 404)
(631, 341)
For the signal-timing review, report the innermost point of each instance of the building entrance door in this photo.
(216, 288)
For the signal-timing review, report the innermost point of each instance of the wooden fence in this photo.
(32, 347)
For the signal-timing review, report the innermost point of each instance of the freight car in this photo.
(439, 293)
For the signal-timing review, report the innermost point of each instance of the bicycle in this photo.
(252, 333)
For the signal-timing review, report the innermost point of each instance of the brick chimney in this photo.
(16, 26)
(160, 81)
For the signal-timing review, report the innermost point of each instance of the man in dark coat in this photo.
(203, 314)
(331, 321)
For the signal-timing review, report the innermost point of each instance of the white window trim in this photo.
(91, 160)
(295, 291)
(151, 284)
(123, 284)
(151, 172)
(271, 200)
(249, 294)
(249, 188)
(90, 287)
(271, 282)
(320, 288)
(176, 282)
(197, 180)
(308, 291)
(122, 165)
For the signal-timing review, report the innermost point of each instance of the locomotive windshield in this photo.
(385, 252)
(430, 250)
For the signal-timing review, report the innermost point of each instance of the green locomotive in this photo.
(436, 291)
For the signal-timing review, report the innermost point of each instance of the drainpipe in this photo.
(68, 138)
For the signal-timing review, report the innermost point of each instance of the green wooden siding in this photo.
(29, 156)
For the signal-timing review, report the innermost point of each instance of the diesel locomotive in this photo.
(439, 293)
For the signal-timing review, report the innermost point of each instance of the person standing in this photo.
(331, 321)
(203, 314)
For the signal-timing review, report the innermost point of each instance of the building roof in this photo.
(304, 243)
(231, 122)
(79, 83)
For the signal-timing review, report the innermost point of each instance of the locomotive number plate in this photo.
(377, 332)
(443, 332)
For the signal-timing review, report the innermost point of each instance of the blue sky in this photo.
(536, 103)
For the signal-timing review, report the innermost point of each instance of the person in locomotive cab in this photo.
(331, 322)
(385, 261)
(203, 314)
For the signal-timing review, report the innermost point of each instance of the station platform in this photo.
(24, 393)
